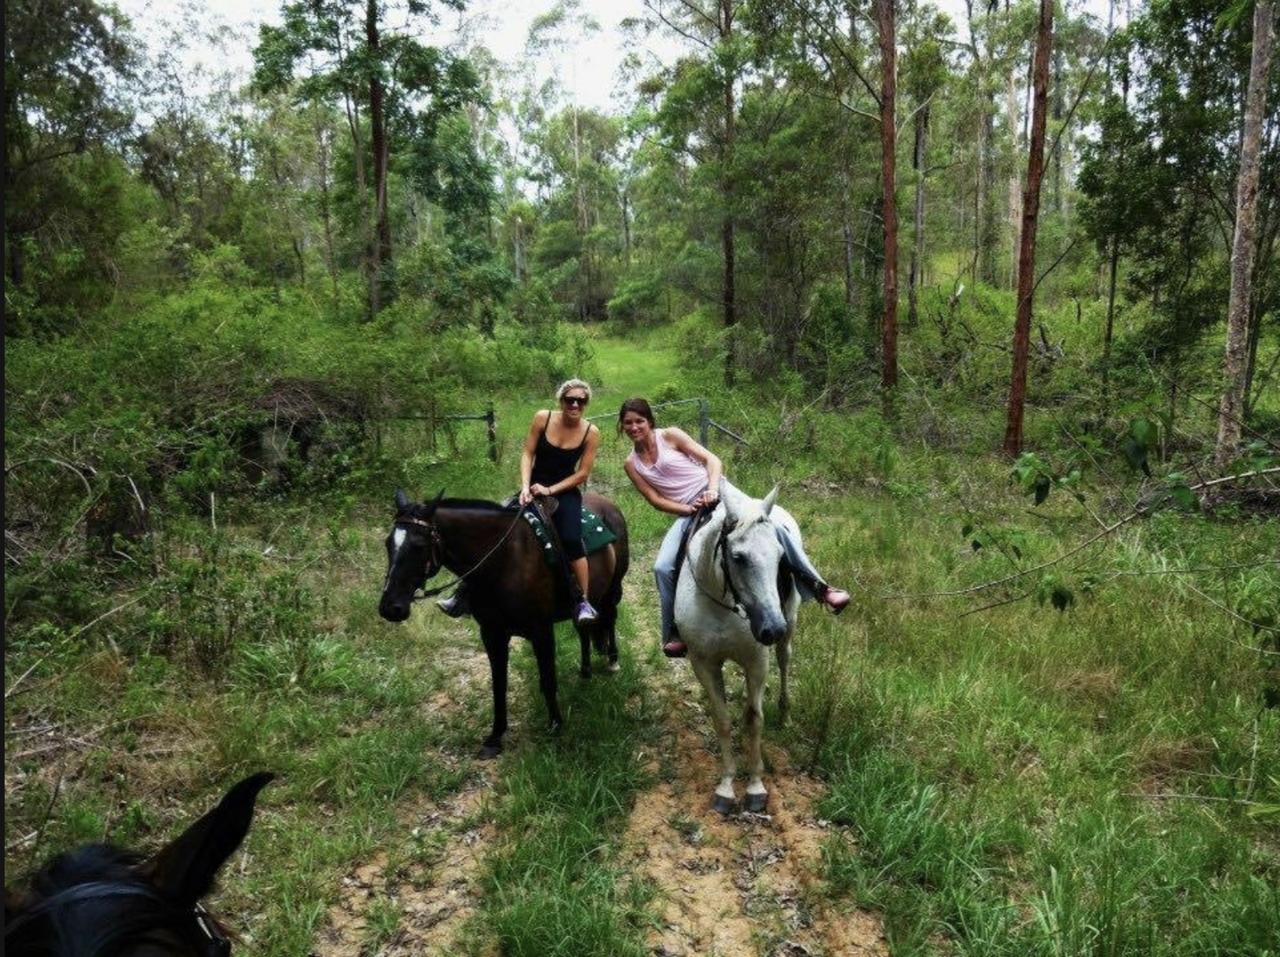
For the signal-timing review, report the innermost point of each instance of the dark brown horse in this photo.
(511, 588)
(101, 901)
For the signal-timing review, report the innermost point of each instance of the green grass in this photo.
(554, 887)
(1019, 780)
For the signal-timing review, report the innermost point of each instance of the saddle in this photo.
(596, 534)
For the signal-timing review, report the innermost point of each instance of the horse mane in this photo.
(93, 925)
(477, 505)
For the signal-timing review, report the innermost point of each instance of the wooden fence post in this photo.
(704, 422)
(491, 419)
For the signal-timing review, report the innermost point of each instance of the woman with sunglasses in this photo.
(556, 461)
(677, 475)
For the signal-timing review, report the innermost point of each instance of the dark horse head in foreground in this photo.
(101, 901)
(512, 589)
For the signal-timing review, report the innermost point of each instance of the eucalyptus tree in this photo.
(699, 115)
(1027, 239)
(1231, 409)
(63, 112)
(340, 51)
(924, 73)
(1160, 183)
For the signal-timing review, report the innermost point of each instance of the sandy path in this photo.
(748, 884)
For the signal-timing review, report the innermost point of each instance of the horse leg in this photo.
(757, 797)
(584, 639)
(609, 634)
(711, 675)
(544, 650)
(497, 645)
(783, 651)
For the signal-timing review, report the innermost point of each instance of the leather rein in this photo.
(737, 608)
(437, 556)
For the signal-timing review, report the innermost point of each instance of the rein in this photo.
(438, 555)
(737, 607)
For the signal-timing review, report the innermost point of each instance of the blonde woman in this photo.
(559, 452)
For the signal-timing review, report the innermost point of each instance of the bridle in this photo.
(721, 546)
(213, 942)
(437, 555)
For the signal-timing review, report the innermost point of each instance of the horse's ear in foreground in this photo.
(101, 900)
(512, 588)
(735, 599)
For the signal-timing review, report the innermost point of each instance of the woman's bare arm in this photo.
(660, 502)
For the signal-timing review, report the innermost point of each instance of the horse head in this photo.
(414, 555)
(101, 900)
(750, 554)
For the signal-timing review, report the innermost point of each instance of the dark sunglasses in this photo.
(575, 400)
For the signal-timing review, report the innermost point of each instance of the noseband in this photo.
(212, 943)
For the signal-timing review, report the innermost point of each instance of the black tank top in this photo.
(552, 464)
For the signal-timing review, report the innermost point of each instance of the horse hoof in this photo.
(584, 674)
(613, 667)
(555, 728)
(756, 803)
(722, 805)
(489, 751)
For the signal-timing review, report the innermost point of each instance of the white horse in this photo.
(728, 608)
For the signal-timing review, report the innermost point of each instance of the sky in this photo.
(501, 25)
(591, 72)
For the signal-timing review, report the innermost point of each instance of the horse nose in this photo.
(769, 635)
(393, 610)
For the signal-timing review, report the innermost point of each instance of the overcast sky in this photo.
(500, 25)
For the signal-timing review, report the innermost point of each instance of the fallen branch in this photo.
(1136, 513)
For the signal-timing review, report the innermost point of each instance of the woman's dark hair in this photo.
(640, 407)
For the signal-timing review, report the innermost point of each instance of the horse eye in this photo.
(740, 558)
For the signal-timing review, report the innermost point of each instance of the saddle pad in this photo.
(595, 534)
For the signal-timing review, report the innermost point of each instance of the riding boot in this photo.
(457, 604)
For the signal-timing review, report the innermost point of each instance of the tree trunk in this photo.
(377, 125)
(1015, 183)
(917, 250)
(726, 189)
(326, 217)
(626, 230)
(888, 134)
(1058, 104)
(1231, 410)
(1027, 243)
(1112, 267)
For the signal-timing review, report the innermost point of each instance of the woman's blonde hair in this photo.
(572, 384)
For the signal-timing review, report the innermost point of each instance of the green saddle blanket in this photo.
(596, 534)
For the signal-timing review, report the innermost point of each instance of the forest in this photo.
(989, 291)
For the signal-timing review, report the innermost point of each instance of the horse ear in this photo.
(185, 869)
(767, 505)
(435, 503)
(730, 502)
(402, 500)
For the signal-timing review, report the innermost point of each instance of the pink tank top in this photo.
(673, 474)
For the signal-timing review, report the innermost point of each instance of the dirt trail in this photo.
(417, 901)
(415, 896)
(743, 885)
